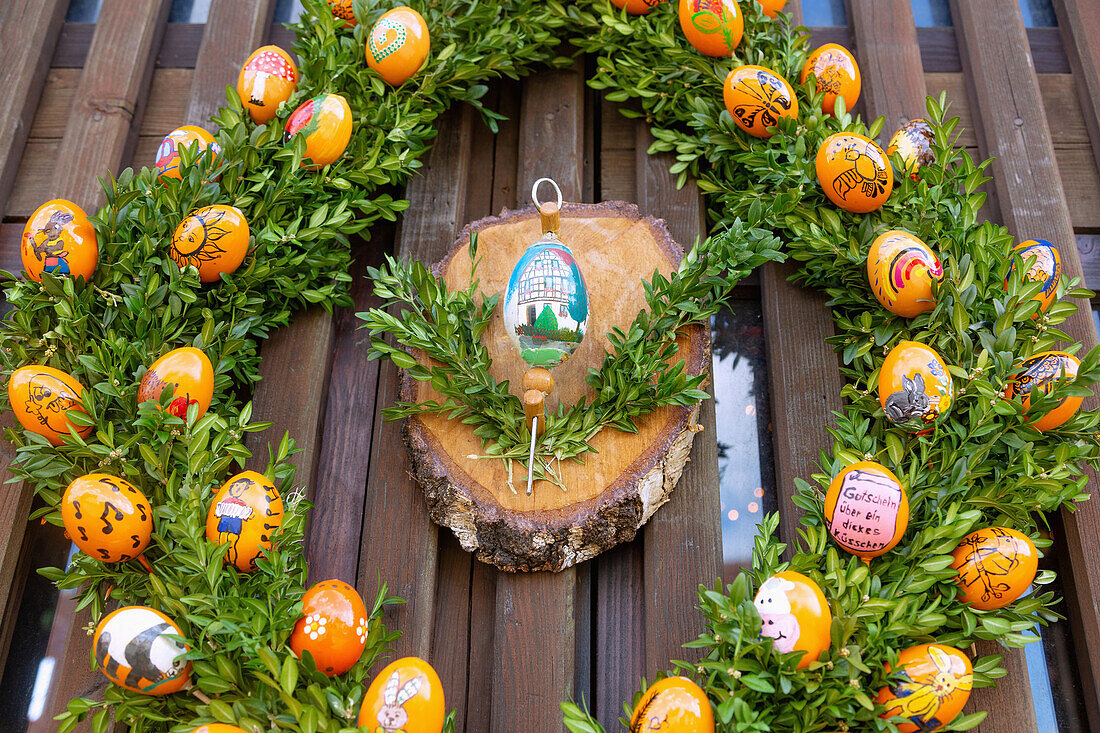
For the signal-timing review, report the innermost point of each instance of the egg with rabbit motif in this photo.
(636, 7)
(901, 269)
(914, 387)
(333, 627)
(213, 239)
(854, 172)
(1041, 372)
(398, 44)
(190, 374)
(405, 696)
(996, 565)
(267, 79)
(795, 615)
(326, 123)
(59, 239)
(1044, 265)
(757, 98)
(343, 10)
(189, 136)
(244, 514)
(132, 649)
(673, 705)
(866, 509)
(108, 518)
(913, 141)
(713, 27)
(771, 7)
(837, 74)
(40, 396)
(931, 687)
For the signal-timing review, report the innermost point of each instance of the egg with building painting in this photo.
(914, 387)
(866, 509)
(673, 705)
(188, 136)
(108, 518)
(343, 10)
(853, 172)
(267, 79)
(40, 396)
(333, 627)
(901, 270)
(406, 695)
(190, 374)
(398, 44)
(932, 686)
(757, 98)
(1040, 373)
(771, 7)
(996, 565)
(837, 75)
(913, 142)
(59, 239)
(636, 7)
(325, 121)
(794, 615)
(1044, 265)
(713, 27)
(244, 514)
(132, 649)
(213, 239)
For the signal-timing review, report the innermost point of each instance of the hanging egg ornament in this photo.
(913, 141)
(333, 627)
(996, 565)
(132, 649)
(837, 75)
(901, 269)
(189, 372)
(59, 239)
(168, 154)
(244, 514)
(771, 7)
(267, 79)
(914, 387)
(866, 509)
(673, 705)
(934, 685)
(636, 7)
(713, 27)
(213, 239)
(405, 696)
(326, 123)
(108, 518)
(1041, 372)
(756, 98)
(854, 172)
(1044, 265)
(40, 396)
(398, 44)
(342, 9)
(795, 615)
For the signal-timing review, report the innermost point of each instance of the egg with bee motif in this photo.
(757, 98)
(326, 123)
(213, 239)
(405, 696)
(41, 396)
(866, 509)
(132, 649)
(996, 565)
(673, 705)
(771, 7)
(333, 627)
(1044, 265)
(713, 27)
(168, 154)
(189, 372)
(342, 9)
(854, 172)
(913, 141)
(398, 44)
(267, 79)
(914, 387)
(1040, 373)
(933, 684)
(244, 514)
(108, 518)
(636, 7)
(59, 239)
(795, 615)
(837, 75)
(901, 269)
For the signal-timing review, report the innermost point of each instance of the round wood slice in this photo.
(610, 493)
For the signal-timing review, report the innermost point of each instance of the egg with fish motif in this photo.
(59, 239)
(1044, 265)
(771, 7)
(933, 685)
(1041, 372)
(398, 44)
(244, 514)
(866, 509)
(213, 239)
(673, 705)
(189, 136)
(913, 141)
(343, 10)
(854, 172)
(794, 615)
(713, 27)
(636, 7)
(108, 518)
(757, 98)
(189, 372)
(40, 396)
(914, 387)
(333, 627)
(996, 565)
(901, 270)
(837, 75)
(267, 79)
(405, 696)
(132, 649)
(326, 123)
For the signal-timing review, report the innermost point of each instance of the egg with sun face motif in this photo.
(934, 685)
(854, 172)
(132, 649)
(866, 509)
(59, 239)
(244, 514)
(1039, 374)
(713, 27)
(325, 121)
(213, 239)
(342, 9)
(901, 270)
(914, 387)
(168, 154)
(913, 141)
(190, 374)
(40, 396)
(398, 44)
(795, 615)
(333, 627)
(108, 518)
(757, 98)
(996, 565)
(405, 696)
(1044, 265)
(636, 7)
(267, 79)
(837, 75)
(673, 705)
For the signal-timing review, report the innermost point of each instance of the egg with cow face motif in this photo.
(866, 509)
(934, 685)
(1040, 373)
(398, 44)
(636, 7)
(757, 98)
(267, 79)
(914, 387)
(326, 123)
(189, 136)
(132, 649)
(1044, 265)
(189, 372)
(854, 172)
(40, 396)
(673, 705)
(59, 239)
(213, 239)
(901, 270)
(333, 627)
(713, 27)
(913, 141)
(342, 9)
(996, 565)
(837, 75)
(405, 696)
(244, 514)
(106, 517)
(795, 615)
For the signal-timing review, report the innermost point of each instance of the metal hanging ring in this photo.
(535, 192)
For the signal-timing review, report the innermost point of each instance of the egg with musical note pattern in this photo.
(713, 27)
(40, 396)
(59, 239)
(901, 270)
(795, 615)
(405, 696)
(771, 7)
(343, 10)
(218, 728)
(244, 514)
(189, 371)
(333, 627)
(168, 154)
(837, 74)
(326, 123)
(914, 387)
(673, 705)
(1040, 373)
(108, 518)
(132, 649)
(1044, 265)
(636, 7)
(996, 565)
(854, 172)
(757, 98)
(267, 79)
(866, 509)
(213, 239)
(398, 44)
(933, 685)
(913, 141)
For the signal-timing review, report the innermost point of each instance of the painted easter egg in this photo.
(40, 396)
(934, 684)
(398, 44)
(901, 269)
(673, 705)
(1045, 267)
(326, 123)
(914, 387)
(333, 627)
(866, 509)
(168, 154)
(191, 375)
(218, 728)
(133, 651)
(854, 172)
(1041, 372)
(771, 7)
(213, 239)
(794, 614)
(756, 97)
(405, 696)
(106, 517)
(342, 9)
(636, 7)
(837, 75)
(996, 566)
(546, 304)
(267, 79)
(244, 514)
(913, 141)
(59, 239)
(713, 27)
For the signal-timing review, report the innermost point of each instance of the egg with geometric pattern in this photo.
(333, 627)
(1044, 265)
(405, 696)
(1040, 373)
(398, 44)
(673, 705)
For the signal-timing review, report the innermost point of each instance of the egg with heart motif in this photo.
(636, 7)
(189, 371)
(326, 123)
(866, 509)
(901, 270)
(996, 565)
(837, 75)
(333, 627)
(914, 387)
(713, 27)
(40, 396)
(795, 615)
(854, 172)
(933, 685)
(913, 141)
(771, 7)
(405, 696)
(673, 705)
(132, 649)
(343, 10)
(1040, 373)
(398, 44)
(108, 518)
(213, 239)
(1044, 265)
(757, 98)
(189, 136)
(244, 514)
(267, 79)
(59, 239)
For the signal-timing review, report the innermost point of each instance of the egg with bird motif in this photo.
(218, 728)
(405, 696)
(996, 565)
(398, 44)
(132, 649)
(1044, 265)
(189, 136)
(914, 387)
(933, 684)
(326, 123)
(59, 239)
(267, 79)
(108, 518)
(244, 514)
(673, 705)
(854, 172)
(213, 239)
(1040, 373)
(343, 10)
(757, 98)
(636, 7)
(794, 615)
(913, 141)
(713, 27)
(191, 375)
(333, 627)
(837, 75)
(40, 396)
(771, 7)
(901, 270)
(866, 509)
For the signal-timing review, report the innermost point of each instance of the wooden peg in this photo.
(538, 378)
(534, 406)
(550, 217)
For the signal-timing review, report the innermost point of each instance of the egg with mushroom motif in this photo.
(108, 518)
(795, 615)
(901, 270)
(996, 565)
(189, 371)
(914, 387)
(837, 75)
(1044, 265)
(333, 627)
(343, 10)
(854, 172)
(756, 98)
(267, 79)
(244, 514)
(168, 154)
(398, 44)
(326, 123)
(673, 705)
(213, 239)
(132, 649)
(59, 239)
(913, 141)
(40, 396)
(1041, 372)
(866, 509)
(405, 696)
(934, 685)
(713, 27)
(636, 7)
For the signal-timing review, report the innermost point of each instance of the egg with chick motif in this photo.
(398, 44)
(1041, 372)
(914, 387)
(713, 27)
(996, 565)
(636, 7)
(108, 518)
(244, 514)
(934, 685)
(1044, 265)
(866, 509)
(795, 615)
(343, 10)
(168, 154)
(326, 123)
(405, 696)
(756, 98)
(189, 371)
(267, 79)
(132, 649)
(59, 239)
(771, 7)
(913, 141)
(673, 705)
(333, 627)
(854, 172)
(213, 239)
(901, 270)
(40, 396)
(837, 75)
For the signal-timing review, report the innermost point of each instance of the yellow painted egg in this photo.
(996, 566)
(1041, 372)
(168, 154)
(218, 728)
(405, 696)
(1044, 265)
(333, 627)
(213, 239)
(935, 684)
(837, 75)
(913, 141)
(795, 615)
(756, 97)
(901, 269)
(106, 517)
(636, 7)
(713, 27)
(244, 514)
(854, 173)
(267, 79)
(133, 651)
(342, 9)
(59, 239)
(673, 705)
(771, 7)
(398, 44)
(40, 396)
(866, 509)
(191, 375)
(326, 123)
(914, 387)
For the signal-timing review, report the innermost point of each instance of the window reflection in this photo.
(83, 11)
(1038, 13)
(816, 13)
(287, 11)
(931, 13)
(189, 11)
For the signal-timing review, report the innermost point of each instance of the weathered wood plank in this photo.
(1079, 22)
(15, 506)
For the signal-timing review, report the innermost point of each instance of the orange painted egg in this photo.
(673, 705)
(40, 396)
(106, 517)
(405, 696)
(133, 651)
(637, 7)
(342, 9)
(854, 173)
(866, 509)
(244, 514)
(213, 239)
(837, 75)
(756, 97)
(59, 239)
(771, 7)
(901, 269)
(333, 627)
(996, 566)
(267, 79)
(326, 123)
(913, 141)
(1044, 266)
(218, 728)
(398, 44)
(168, 154)
(795, 615)
(713, 27)
(934, 684)
(914, 387)
(191, 375)
(1041, 372)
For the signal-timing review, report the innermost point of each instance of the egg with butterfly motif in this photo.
(333, 627)
(854, 172)
(713, 27)
(1044, 265)
(267, 79)
(108, 518)
(40, 396)
(757, 98)
(914, 387)
(244, 514)
(837, 74)
(190, 374)
(673, 705)
(932, 686)
(795, 615)
(913, 142)
(398, 44)
(189, 136)
(343, 10)
(866, 509)
(901, 270)
(771, 7)
(405, 696)
(132, 649)
(1040, 373)
(636, 7)
(213, 239)
(326, 123)
(59, 239)
(996, 565)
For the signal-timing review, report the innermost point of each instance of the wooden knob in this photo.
(538, 378)
(550, 217)
(533, 406)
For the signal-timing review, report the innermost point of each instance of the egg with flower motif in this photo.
(342, 9)
(59, 239)
(1041, 372)
(267, 79)
(244, 514)
(713, 27)
(213, 239)
(933, 685)
(326, 123)
(756, 98)
(1044, 265)
(996, 565)
(866, 509)
(837, 75)
(914, 387)
(132, 649)
(189, 372)
(854, 172)
(771, 7)
(333, 627)
(40, 396)
(636, 7)
(405, 696)
(108, 518)
(218, 728)
(913, 141)
(795, 615)
(168, 154)
(398, 44)
(673, 705)
(901, 269)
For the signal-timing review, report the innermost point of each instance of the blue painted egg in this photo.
(1044, 266)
